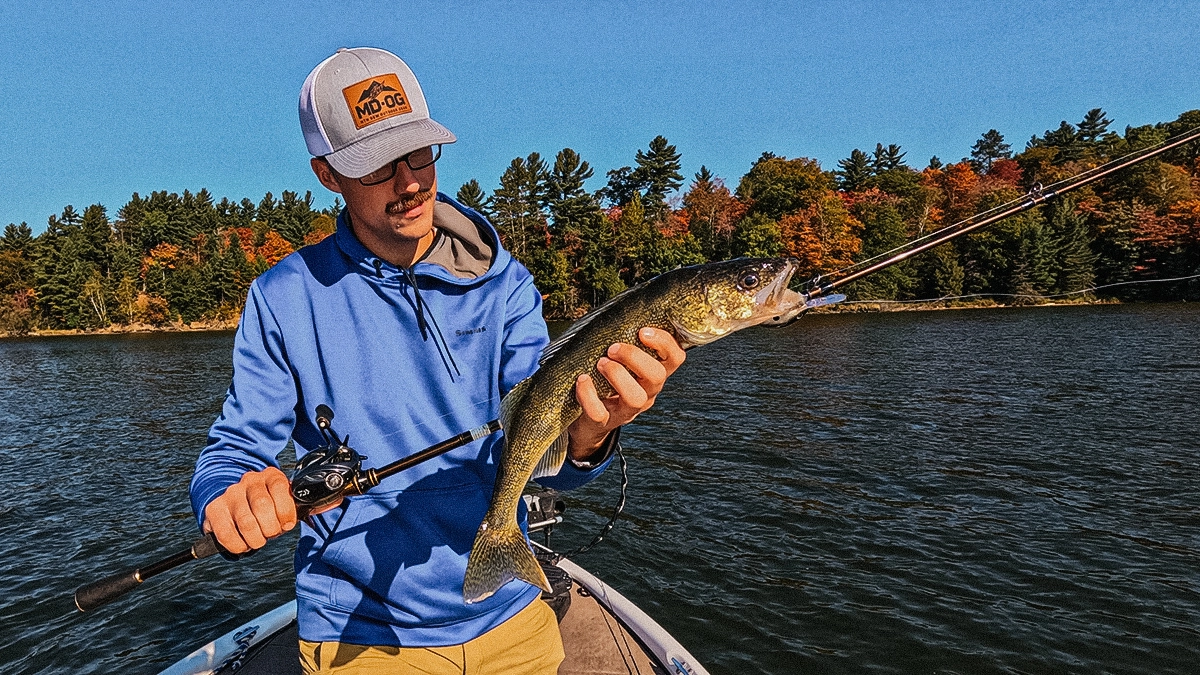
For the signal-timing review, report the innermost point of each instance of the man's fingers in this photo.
(636, 378)
(252, 510)
(648, 370)
(281, 493)
(262, 507)
(247, 524)
(219, 521)
(633, 396)
(593, 408)
(670, 354)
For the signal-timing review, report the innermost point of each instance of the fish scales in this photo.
(695, 304)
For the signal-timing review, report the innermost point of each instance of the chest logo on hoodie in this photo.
(471, 331)
(375, 99)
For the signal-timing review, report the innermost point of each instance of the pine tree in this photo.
(129, 221)
(887, 158)
(97, 235)
(292, 217)
(265, 211)
(335, 208)
(944, 272)
(621, 186)
(883, 230)
(568, 176)
(583, 239)
(472, 196)
(1033, 259)
(63, 265)
(658, 170)
(1093, 126)
(854, 170)
(1076, 263)
(70, 217)
(153, 230)
(1064, 140)
(185, 293)
(518, 206)
(17, 238)
(988, 149)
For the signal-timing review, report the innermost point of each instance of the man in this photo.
(411, 322)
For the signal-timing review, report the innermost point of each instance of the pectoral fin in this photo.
(553, 460)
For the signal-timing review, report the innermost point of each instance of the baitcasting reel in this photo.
(327, 474)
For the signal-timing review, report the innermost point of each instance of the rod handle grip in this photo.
(106, 590)
(207, 545)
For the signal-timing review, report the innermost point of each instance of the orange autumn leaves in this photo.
(815, 225)
(823, 236)
(270, 249)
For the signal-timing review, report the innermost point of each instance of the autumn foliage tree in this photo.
(169, 257)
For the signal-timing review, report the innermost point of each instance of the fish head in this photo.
(730, 295)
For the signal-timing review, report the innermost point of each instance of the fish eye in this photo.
(749, 280)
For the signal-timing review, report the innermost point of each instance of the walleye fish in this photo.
(696, 304)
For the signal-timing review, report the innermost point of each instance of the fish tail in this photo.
(499, 555)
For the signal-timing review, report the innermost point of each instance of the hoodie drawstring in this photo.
(426, 321)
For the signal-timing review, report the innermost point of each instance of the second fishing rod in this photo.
(322, 479)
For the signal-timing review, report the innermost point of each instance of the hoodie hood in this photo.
(466, 248)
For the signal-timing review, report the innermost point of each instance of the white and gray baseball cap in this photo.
(362, 108)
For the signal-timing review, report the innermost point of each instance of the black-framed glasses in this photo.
(422, 158)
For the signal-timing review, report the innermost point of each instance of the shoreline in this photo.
(850, 307)
(882, 306)
(129, 329)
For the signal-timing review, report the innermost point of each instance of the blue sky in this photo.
(99, 100)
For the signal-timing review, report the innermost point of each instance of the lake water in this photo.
(1001, 491)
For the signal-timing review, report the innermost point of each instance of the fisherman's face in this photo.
(396, 211)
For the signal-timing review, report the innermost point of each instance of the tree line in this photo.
(184, 258)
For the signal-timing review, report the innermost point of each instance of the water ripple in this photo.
(1008, 491)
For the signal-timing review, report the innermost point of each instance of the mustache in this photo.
(399, 207)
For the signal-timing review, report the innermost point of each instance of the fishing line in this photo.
(612, 520)
(1017, 295)
(930, 235)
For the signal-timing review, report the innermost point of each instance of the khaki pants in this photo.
(529, 642)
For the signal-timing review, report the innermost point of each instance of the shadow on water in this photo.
(993, 491)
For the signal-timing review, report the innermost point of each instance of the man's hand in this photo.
(251, 511)
(635, 376)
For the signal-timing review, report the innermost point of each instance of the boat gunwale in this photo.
(243, 641)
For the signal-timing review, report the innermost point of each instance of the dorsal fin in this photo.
(579, 325)
(511, 402)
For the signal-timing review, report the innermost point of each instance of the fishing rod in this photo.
(817, 287)
(322, 479)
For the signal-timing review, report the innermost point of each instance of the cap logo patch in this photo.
(376, 98)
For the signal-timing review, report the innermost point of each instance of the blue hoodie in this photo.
(333, 324)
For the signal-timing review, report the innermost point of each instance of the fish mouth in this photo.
(785, 304)
(776, 296)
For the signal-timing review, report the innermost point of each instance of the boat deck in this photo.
(595, 642)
